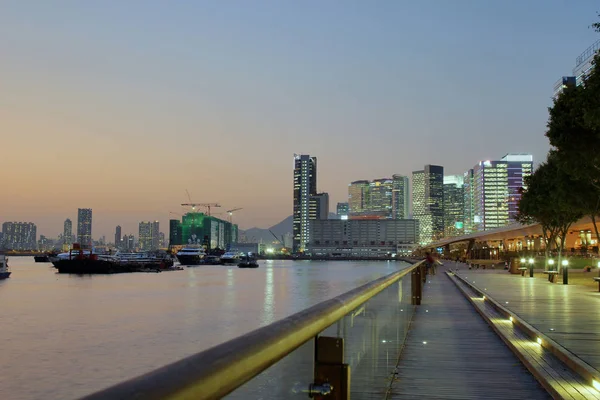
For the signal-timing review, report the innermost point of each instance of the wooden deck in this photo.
(568, 314)
(452, 353)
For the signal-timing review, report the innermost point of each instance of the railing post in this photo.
(417, 277)
(332, 376)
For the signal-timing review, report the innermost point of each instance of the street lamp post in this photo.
(598, 268)
(551, 264)
(565, 265)
(531, 267)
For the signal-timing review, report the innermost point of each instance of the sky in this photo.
(122, 106)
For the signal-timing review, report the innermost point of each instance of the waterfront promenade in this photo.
(568, 314)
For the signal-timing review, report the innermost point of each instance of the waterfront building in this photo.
(428, 202)
(67, 234)
(454, 205)
(84, 227)
(400, 198)
(318, 206)
(202, 229)
(363, 238)
(305, 186)
(118, 236)
(342, 210)
(145, 236)
(19, 236)
(380, 198)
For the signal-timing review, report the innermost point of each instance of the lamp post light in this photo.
(598, 268)
(551, 264)
(531, 261)
(565, 265)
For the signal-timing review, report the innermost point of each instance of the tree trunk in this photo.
(596, 230)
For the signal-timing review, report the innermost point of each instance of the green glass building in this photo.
(199, 228)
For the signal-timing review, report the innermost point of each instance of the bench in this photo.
(522, 269)
(551, 275)
(597, 279)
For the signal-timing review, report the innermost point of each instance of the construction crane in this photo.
(207, 205)
(276, 238)
(230, 212)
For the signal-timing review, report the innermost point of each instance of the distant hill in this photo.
(280, 229)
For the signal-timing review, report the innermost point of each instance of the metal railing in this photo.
(218, 371)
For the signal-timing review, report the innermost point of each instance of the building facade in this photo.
(19, 236)
(319, 206)
(454, 205)
(342, 210)
(67, 234)
(118, 236)
(469, 211)
(305, 186)
(363, 238)
(201, 229)
(428, 202)
(145, 236)
(400, 198)
(583, 67)
(84, 227)
(519, 167)
(358, 195)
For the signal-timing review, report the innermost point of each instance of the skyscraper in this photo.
(454, 205)
(400, 198)
(358, 197)
(84, 227)
(67, 234)
(305, 185)
(145, 236)
(380, 198)
(19, 236)
(494, 192)
(428, 202)
(468, 195)
(118, 236)
(342, 210)
(155, 235)
(319, 206)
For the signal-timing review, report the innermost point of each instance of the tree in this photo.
(547, 201)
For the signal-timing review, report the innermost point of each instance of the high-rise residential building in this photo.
(155, 235)
(400, 198)
(454, 205)
(342, 210)
(162, 243)
(19, 236)
(469, 209)
(67, 234)
(145, 236)
(358, 197)
(201, 229)
(305, 186)
(428, 202)
(583, 67)
(495, 190)
(118, 236)
(319, 206)
(84, 227)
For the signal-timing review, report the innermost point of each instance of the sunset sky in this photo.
(123, 105)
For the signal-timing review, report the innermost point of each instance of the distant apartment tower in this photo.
(19, 236)
(342, 210)
(428, 202)
(305, 186)
(149, 236)
(454, 205)
(400, 199)
(319, 206)
(495, 190)
(118, 236)
(67, 233)
(84, 227)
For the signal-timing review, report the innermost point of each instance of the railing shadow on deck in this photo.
(348, 344)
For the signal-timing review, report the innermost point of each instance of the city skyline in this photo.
(355, 104)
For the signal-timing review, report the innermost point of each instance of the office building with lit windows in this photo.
(67, 234)
(84, 227)
(305, 186)
(428, 202)
(454, 205)
(583, 67)
(400, 198)
(384, 198)
(358, 197)
(342, 210)
(318, 206)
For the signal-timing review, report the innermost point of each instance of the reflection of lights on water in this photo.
(269, 301)
(230, 281)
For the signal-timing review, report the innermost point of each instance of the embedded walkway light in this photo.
(565, 265)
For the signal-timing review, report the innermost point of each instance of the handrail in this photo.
(216, 372)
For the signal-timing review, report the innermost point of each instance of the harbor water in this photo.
(66, 336)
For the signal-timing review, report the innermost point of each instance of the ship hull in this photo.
(189, 259)
(88, 266)
(4, 275)
(41, 258)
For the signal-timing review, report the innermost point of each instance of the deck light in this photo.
(510, 318)
(539, 340)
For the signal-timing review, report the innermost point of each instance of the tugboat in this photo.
(191, 255)
(4, 272)
(248, 261)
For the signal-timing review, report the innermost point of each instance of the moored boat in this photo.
(230, 257)
(4, 272)
(191, 255)
(248, 261)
